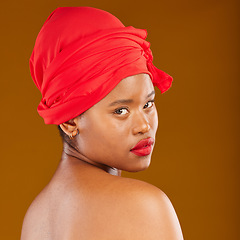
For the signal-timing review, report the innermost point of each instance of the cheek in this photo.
(154, 120)
(102, 132)
(103, 141)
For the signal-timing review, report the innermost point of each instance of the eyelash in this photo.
(152, 103)
(117, 111)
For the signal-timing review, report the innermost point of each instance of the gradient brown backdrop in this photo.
(196, 156)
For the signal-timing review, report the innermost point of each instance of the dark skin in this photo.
(87, 198)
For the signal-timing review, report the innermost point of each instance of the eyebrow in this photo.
(150, 94)
(122, 101)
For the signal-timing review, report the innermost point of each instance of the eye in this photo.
(121, 111)
(149, 104)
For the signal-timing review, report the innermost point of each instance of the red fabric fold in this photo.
(81, 54)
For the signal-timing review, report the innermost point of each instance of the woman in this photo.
(97, 81)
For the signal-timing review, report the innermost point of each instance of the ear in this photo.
(70, 127)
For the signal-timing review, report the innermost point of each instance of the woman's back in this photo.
(83, 202)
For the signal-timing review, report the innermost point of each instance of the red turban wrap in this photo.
(80, 55)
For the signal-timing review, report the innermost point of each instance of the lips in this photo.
(143, 147)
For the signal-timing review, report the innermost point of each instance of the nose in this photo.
(141, 124)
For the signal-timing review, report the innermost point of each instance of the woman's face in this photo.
(109, 132)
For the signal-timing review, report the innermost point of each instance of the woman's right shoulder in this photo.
(147, 210)
(132, 209)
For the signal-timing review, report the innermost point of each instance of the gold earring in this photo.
(71, 136)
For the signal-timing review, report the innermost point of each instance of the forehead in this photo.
(136, 86)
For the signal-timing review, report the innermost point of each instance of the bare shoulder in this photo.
(148, 211)
(129, 209)
(104, 207)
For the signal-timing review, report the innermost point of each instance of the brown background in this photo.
(196, 157)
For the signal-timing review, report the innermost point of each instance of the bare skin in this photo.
(87, 198)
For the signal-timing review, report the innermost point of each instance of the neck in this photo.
(72, 154)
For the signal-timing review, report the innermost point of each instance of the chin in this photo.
(140, 165)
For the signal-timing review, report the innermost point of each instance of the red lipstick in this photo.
(143, 147)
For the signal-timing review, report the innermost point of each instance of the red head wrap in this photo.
(80, 55)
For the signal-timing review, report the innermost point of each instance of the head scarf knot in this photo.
(81, 54)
